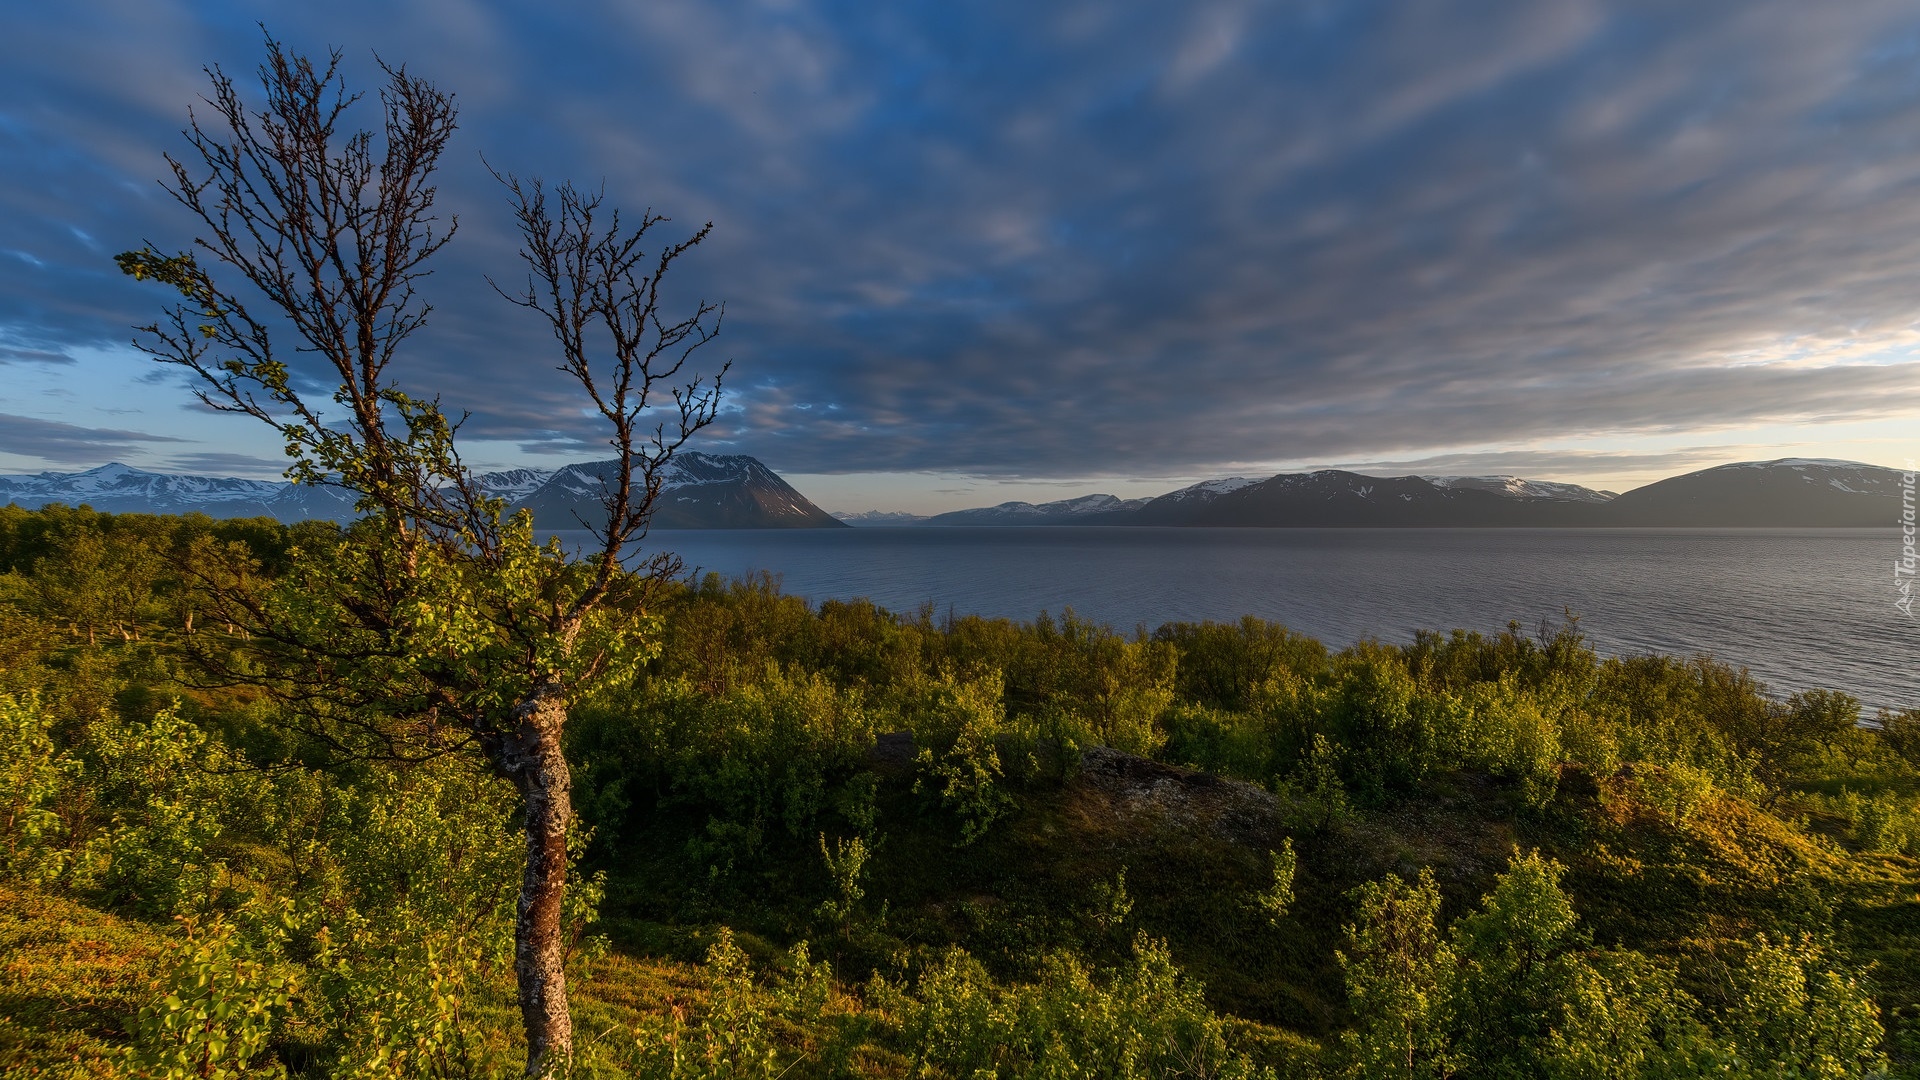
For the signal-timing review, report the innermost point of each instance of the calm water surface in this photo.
(1800, 608)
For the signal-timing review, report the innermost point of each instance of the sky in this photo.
(997, 250)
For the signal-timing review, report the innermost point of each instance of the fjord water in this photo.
(1800, 608)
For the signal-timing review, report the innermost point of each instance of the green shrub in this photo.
(1386, 745)
(33, 778)
(216, 1014)
(967, 775)
(1140, 1020)
(1883, 821)
(1798, 1010)
(734, 1038)
(168, 791)
(1677, 791)
(405, 1013)
(1396, 966)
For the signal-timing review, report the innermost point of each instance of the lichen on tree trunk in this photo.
(531, 757)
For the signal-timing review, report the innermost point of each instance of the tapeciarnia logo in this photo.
(1903, 567)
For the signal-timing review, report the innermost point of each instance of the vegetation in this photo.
(830, 841)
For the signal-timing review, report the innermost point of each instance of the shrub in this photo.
(1396, 966)
(216, 1013)
(167, 789)
(1798, 1010)
(967, 775)
(1677, 791)
(32, 779)
(1883, 822)
(1139, 1020)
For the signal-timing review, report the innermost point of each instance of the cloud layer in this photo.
(1102, 238)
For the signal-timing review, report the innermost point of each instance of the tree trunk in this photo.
(531, 758)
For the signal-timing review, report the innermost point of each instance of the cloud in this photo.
(1104, 238)
(221, 463)
(66, 443)
(1550, 463)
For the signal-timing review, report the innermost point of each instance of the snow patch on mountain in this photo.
(512, 484)
(879, 518)
(1521, 488)
(1207, 490)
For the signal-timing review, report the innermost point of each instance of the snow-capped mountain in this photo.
(1082, 510)
(700, 491)
(1175, 507)
(121, 489)
(1520, 488)
(880, 518)
(511, 484)
(1336, 498)
(1788, 493)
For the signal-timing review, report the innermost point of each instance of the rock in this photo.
(1137, 787)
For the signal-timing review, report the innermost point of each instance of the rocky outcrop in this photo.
(1142, 792)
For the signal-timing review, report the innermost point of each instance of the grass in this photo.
(69, 977)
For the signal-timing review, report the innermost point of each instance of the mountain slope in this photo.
(120, 489)
(1785, 493)
(699, 491)
(1520, 488)
(1333, 498)
(1080, 511)
(881, 518)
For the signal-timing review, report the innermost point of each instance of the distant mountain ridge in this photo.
(715, 491)
(881, 518)
(1063, 512)
(699, 491)
(1785, 493)
(120, 489)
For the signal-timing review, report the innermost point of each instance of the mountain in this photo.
(1334, 498)
(712, 491)
(1788, 493)
(881, 518)
(1518, 488)
(512, 484)
(121, 489)
(1177, 507)
(1785, 493)
(700, 491)
(1080, 511)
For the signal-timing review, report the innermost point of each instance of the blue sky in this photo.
(1013, 250)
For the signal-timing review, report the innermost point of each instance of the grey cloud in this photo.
(1548, 464)
(1112, 238)
(222, 463)
(68, 443)
(15, 354)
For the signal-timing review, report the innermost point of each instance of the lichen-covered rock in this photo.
(1138, 788)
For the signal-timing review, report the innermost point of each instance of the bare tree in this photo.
(436, 622)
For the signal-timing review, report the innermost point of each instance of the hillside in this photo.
(828, 842)
(1788, 492)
